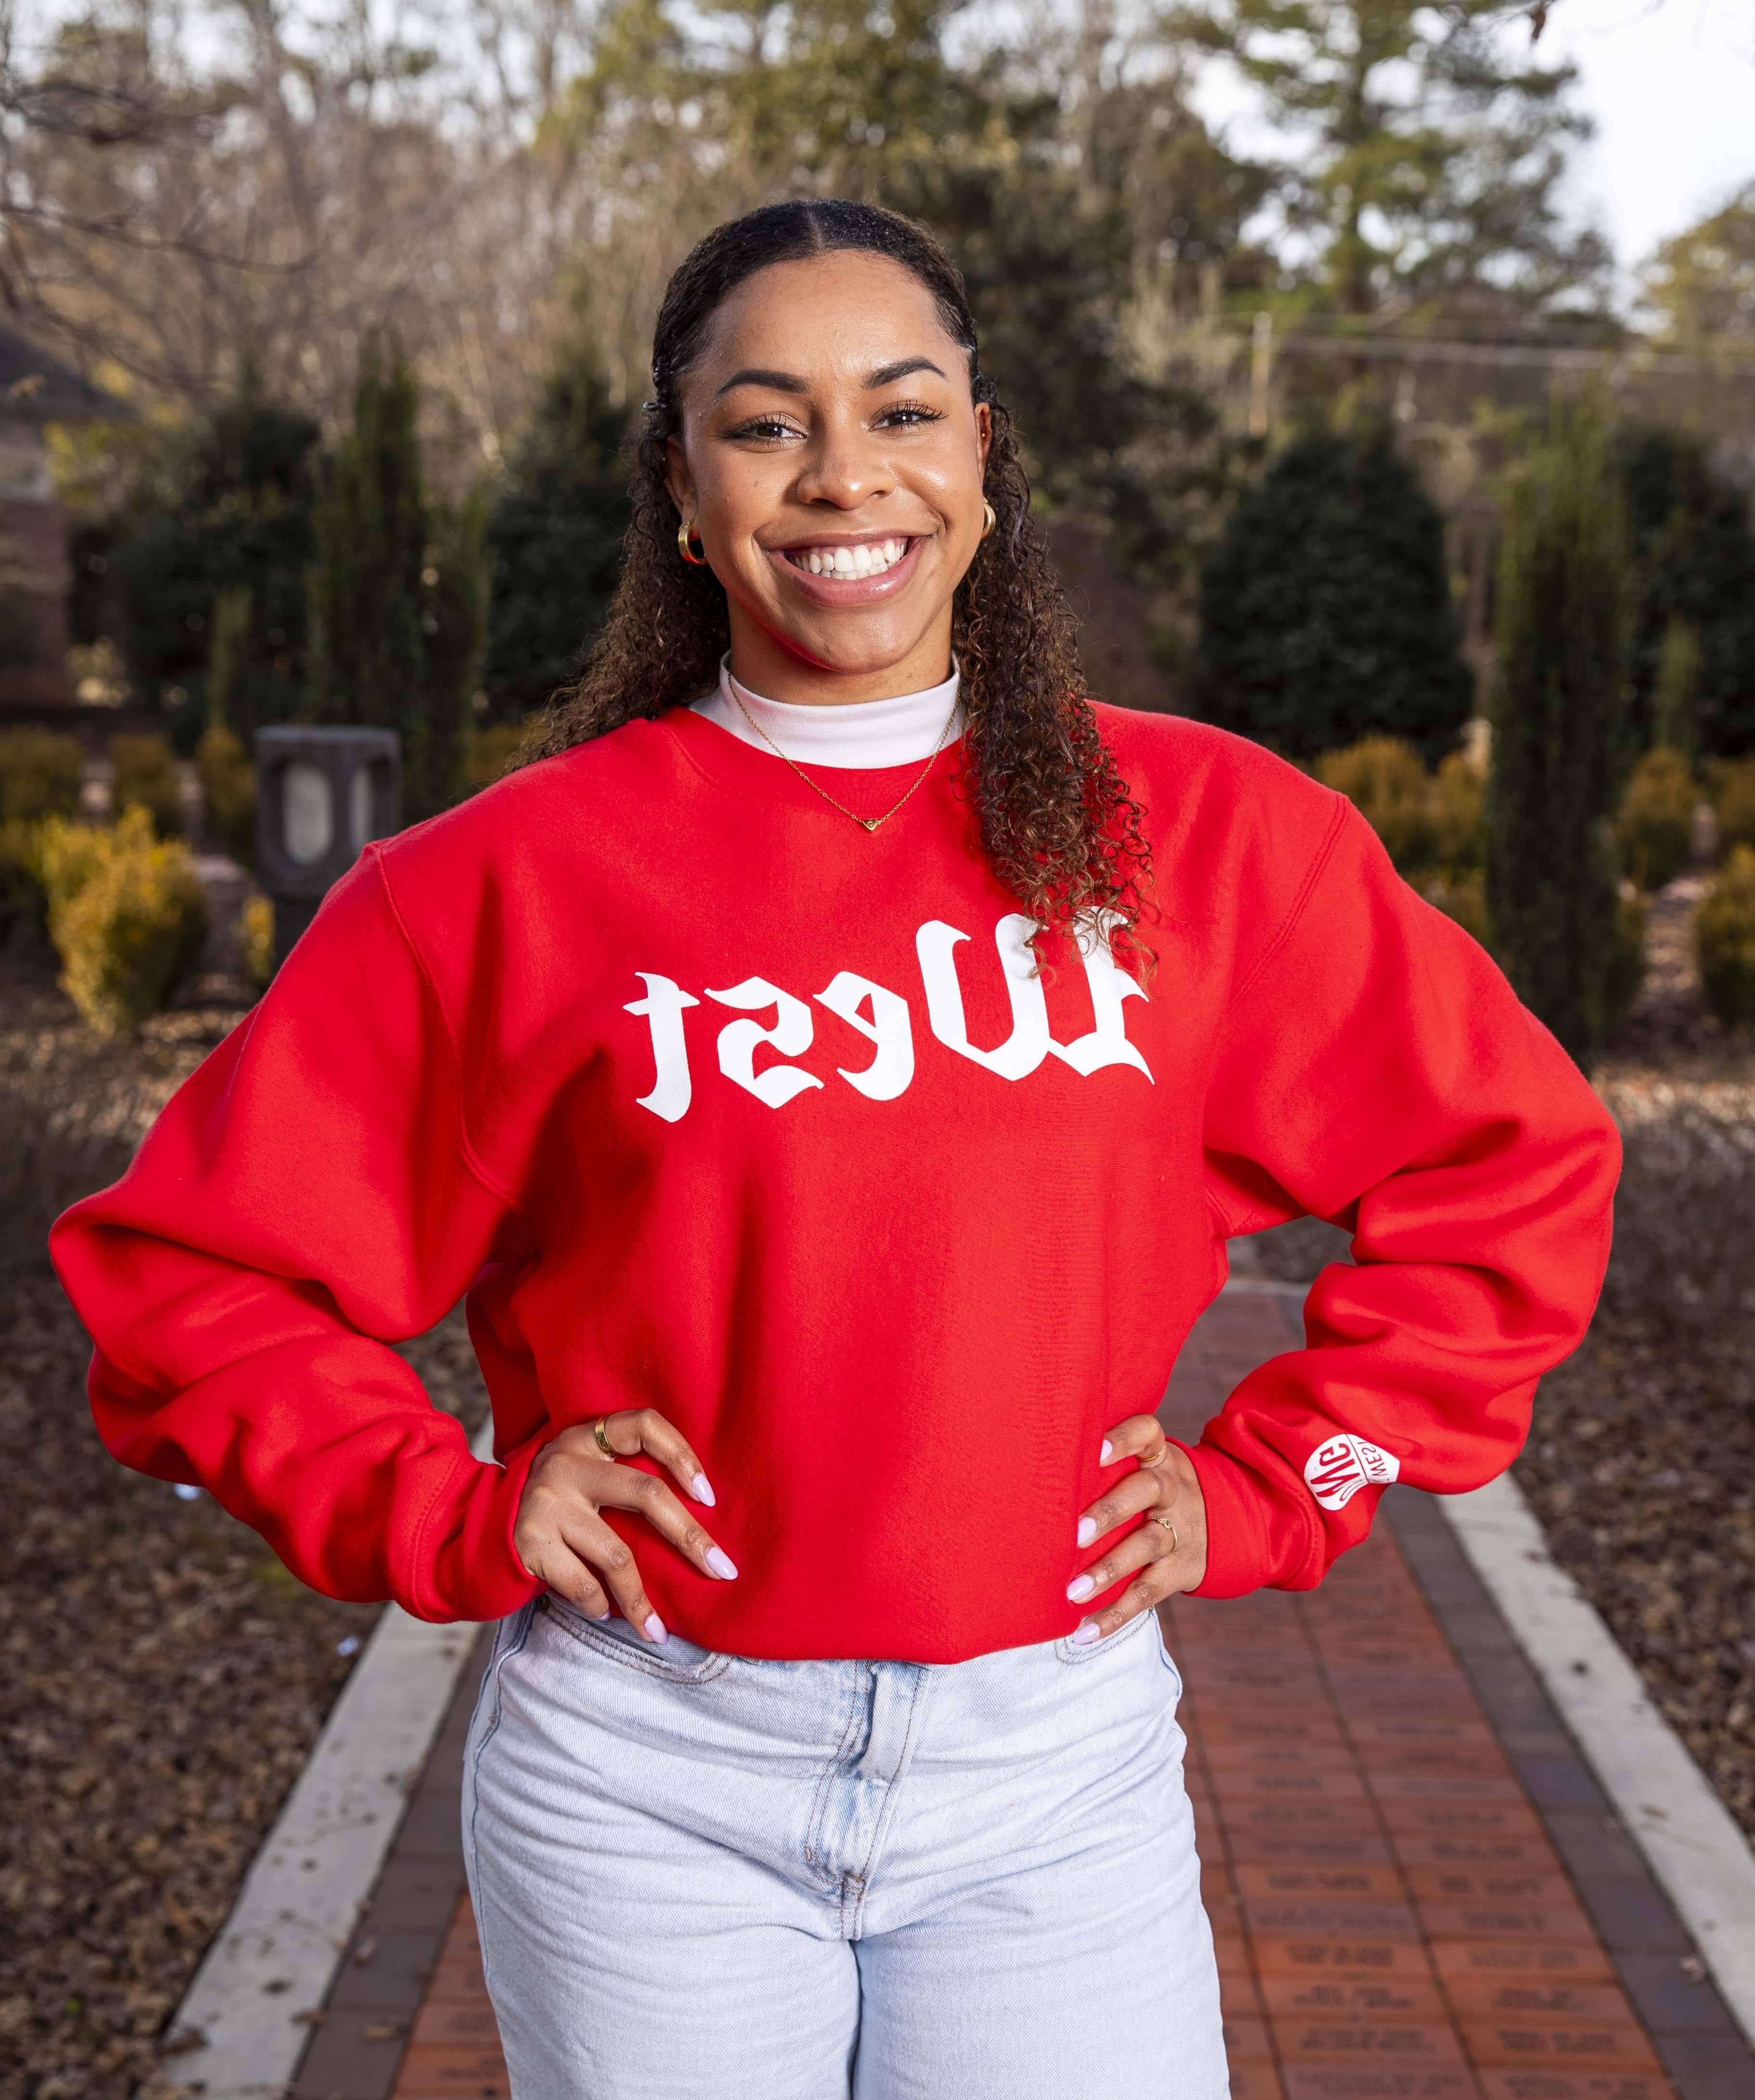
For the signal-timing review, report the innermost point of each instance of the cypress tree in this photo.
(395, 628)
(1559, 711)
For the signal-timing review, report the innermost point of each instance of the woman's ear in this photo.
(984, 431)
(680, 482)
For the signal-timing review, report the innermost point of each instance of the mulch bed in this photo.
(164, 1677)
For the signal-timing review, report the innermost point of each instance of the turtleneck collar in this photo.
(861, 735)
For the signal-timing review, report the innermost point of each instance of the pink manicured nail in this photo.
(655, 1629)
(1107, 1455)
(720, 1562)
(609, 1614)
(1079, 1589)
(1087, 1530)
(701, 1492)
(1084, 1633)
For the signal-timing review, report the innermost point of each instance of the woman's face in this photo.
(829, 462)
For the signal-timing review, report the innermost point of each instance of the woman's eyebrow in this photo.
(887, 375)
(758, 375)
(789, 382)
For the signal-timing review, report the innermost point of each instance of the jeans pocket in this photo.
(1096, 1651)
(675, 1660)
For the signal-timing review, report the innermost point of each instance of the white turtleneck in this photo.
(862, 735)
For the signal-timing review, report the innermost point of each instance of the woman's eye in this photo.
(764, 426)
(906, 412)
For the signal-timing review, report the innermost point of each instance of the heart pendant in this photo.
(871, 823)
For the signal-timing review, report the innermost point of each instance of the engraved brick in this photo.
(1345, 1996)
(1617, 2048)
(1548, 2084)
(1525, 1961)
(1506, 1921)
(1420, 2044)
(1374, 1960)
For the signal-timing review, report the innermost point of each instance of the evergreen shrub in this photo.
(144, 776)
(1734, 803)
(1655, 825)
(1386, 781)
(554, 542)
(398, 599)
(40, 775)
(23, 918)
(1326, 608)
(1560, 708)
(491, 753)
(1456, 804)
(1724, 931)
(1693, 568)
(127, 914)
(228, 793)
(256, 936)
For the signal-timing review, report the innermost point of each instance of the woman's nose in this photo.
(846, 467)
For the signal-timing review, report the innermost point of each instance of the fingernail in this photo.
(1087, 1530)
(1080, 1588)
(655, 1629)
(1107, 1455)
(609, 1614)
(699, 1488)
(720, 1562)
(1084, 1633)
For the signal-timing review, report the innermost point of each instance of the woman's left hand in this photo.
(1170, 1546)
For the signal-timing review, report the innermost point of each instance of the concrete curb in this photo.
(1694, 1849)
(272, 1966)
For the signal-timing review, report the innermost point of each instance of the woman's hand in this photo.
(562, 1539)
(1170, 1546)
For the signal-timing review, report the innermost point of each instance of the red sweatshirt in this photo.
(712, 1101)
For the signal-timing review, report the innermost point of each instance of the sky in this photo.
(1671, 85)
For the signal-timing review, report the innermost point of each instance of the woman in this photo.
(833, 1071)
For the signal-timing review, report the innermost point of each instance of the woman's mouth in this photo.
(872, 558)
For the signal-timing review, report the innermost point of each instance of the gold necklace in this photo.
(869, 823)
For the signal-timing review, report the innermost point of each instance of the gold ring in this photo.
(1171, 1528)
(1157, 1456)
(603, 1443)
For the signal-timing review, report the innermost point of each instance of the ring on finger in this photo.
(1171, 1528)
(600, 1431)
(1156, 1457)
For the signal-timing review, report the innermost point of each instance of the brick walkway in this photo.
(1393, 1918)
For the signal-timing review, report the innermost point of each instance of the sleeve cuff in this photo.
(1256, 1538)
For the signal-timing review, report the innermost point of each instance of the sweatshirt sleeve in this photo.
(1376, 1069)
(307, 1198)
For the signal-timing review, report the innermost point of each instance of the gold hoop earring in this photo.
(685, 548)
(989, 519)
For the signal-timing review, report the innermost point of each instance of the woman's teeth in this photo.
(867, 561)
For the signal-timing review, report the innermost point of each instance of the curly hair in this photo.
(1054, 821)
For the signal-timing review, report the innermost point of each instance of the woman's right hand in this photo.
(562, 1539)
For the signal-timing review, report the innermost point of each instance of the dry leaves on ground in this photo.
(163, 1677)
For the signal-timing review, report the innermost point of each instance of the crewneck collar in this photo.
(862, 736)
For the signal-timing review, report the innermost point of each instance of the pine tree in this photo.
(1425, 162)
(1560, 734)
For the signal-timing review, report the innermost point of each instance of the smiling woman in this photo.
(778, 1064)
(771, 493)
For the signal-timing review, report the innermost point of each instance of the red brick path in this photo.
(1392, 1921)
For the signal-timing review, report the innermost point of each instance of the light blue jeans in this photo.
(699, 1876)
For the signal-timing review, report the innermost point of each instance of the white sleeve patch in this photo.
(1337, 1470)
